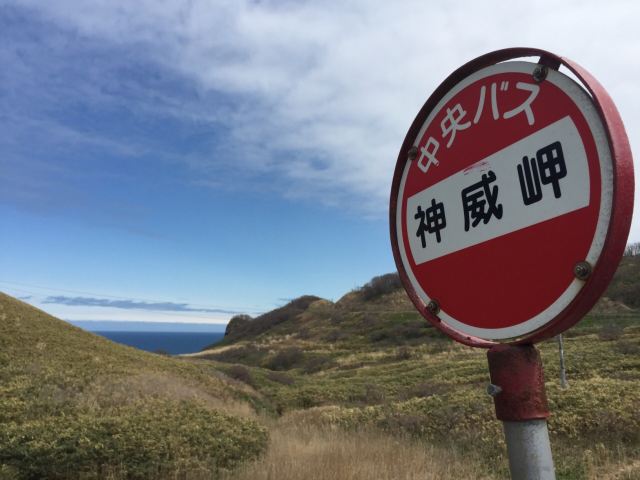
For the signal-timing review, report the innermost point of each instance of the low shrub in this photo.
(337, 318)
(400, 334)
(156, 441)
(411, 331)
(405, 423)
(304, 333)
(625, 286)
(237, 325)
(317, 362)
(422, 390)
(627, 348)
(380, 335)
(365, 395)
(602, 408)
(280, 377)
(369, 320)
(306, 400)
(335, 335)
(610, 331)
(241, 373)
(372, 395)
(285, 359)
(381, 285)
(245, 354)
(403, 353)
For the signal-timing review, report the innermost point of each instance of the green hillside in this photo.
(75, 405)
(370, 361)
(380, 313)
(625, 286)
(308, 390)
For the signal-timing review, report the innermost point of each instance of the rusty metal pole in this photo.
(517, 388)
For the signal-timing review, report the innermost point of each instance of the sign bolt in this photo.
(582, 270)
(540, 73)
(412, 153)
(493, 390)
(434, 307)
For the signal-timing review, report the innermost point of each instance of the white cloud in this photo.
(328, 89)
(115, 314)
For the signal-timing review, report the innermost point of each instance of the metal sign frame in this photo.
(622, 196)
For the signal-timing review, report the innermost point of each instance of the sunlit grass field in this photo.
(360, 388)
(75, 405)
(361, 369)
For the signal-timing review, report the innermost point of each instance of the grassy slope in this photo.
(74, 405)
(71, 401)
(375, 362)
(625, 286)
(361, 318)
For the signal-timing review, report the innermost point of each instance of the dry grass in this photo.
(109, 392)
(310, 452)
(603, 463)
(616, 471)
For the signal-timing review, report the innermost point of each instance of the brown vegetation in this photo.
(625, 286)
(381, 285)
(244, 327)
(300, 450)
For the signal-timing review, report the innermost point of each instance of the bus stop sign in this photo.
(512, 198)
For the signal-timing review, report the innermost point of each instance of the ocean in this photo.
(168, 342)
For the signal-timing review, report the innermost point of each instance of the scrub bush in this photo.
(153, 441)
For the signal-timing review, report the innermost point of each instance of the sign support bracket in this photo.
(517, 388)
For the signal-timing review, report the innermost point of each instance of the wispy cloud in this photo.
(130, 304)
(317, 94)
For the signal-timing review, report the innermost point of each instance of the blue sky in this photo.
(188, 160)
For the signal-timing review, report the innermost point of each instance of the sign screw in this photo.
(540, 73)
(493, 390)
(412, 153)
(582, 270)
(434, 307)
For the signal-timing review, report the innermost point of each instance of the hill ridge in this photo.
(380, 310)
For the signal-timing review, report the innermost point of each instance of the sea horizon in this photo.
(172, 343)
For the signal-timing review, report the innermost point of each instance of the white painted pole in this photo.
(529, 450)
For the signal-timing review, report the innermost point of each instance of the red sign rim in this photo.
(622, 195)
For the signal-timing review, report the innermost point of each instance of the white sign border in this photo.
(586, 106)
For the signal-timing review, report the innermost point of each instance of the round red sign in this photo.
(511, 200)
